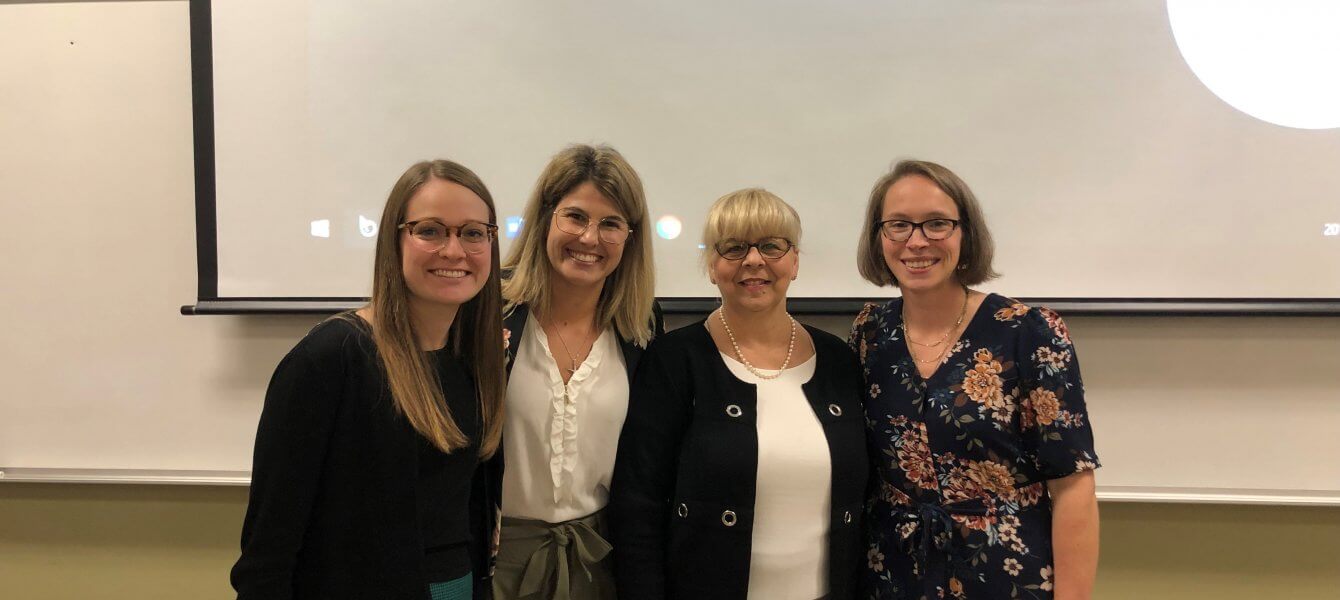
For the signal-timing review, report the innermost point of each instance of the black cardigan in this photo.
(486, 491)
(689, 453)
(333, 494)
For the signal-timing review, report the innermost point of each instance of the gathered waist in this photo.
(556, 550)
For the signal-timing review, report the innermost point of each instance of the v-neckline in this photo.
(555, 371)
(902, 326)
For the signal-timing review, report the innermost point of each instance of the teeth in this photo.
(452, 273)
(919, 264)
(583, 257)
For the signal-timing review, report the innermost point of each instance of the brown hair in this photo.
(476, 332)
(974, 265)
(630, 291)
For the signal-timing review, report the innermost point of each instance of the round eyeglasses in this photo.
(898, 230)
(431, 235)
(611, 230)
(771, 248)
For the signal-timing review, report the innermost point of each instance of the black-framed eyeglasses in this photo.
(771, 248)
(898, 230)
(611, 230)
(431, 235)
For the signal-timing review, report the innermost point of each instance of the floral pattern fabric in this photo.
(960, 508)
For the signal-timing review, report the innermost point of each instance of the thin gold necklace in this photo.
(564, 343)
(943, 351)
(791, 346)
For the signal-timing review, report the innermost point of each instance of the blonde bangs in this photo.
(748, 215)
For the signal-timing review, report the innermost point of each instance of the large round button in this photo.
(682, 511)
(728, 518)
(835, 410)
(734, 410)
(846, 517)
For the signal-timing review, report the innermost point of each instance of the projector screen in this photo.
(1114, 152)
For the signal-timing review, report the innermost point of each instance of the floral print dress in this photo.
(959, 507)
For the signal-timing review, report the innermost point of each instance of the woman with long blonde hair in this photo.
(581, 307)
(375, 423)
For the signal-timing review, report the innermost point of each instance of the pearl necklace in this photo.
(791, 346)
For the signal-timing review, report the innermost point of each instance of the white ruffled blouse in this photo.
(560, 439)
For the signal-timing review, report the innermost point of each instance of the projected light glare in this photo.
(1277, 61)
(1331, 230)
(367, 227)
(321, 228)
(669, 227)
(512, 227)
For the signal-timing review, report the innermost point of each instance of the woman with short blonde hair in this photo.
(580, 310)
(742, 465)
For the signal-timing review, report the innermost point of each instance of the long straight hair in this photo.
(629, 293)
(475, 334)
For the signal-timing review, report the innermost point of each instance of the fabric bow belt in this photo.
(571, 543)
(932, 535)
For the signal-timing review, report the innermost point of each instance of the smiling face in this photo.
(450, 276)
(754, 283)
(584, 260)
(920, 264)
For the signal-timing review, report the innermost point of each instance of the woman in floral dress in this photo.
(975, 412)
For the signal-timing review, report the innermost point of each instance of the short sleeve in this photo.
(1054, 419)
(859, 332)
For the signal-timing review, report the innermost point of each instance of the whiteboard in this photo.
(103, 381)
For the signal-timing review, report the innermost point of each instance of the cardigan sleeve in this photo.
(295, 428)
(645, 470)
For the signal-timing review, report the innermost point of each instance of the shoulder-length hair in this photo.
(974, 263)
(476, 332)
(630, 291)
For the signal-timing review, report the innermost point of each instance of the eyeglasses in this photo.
(431, 235)
(898, 230)
(611, 230)
(771, 248)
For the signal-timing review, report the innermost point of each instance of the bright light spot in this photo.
(512, 227)
(367, 227)
(1278, 61)
(669, 227)
(321, 228)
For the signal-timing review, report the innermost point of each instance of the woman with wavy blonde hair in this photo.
(375, 423)
(581, 307)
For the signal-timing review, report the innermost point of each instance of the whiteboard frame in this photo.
(210, 303)
(1105, 493)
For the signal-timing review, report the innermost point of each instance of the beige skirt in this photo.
(554, 561)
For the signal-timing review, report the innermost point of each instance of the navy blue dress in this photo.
(960, 508)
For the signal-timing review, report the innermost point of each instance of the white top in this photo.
(559, 439)
(791, 509)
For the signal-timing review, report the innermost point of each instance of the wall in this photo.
(104, 254)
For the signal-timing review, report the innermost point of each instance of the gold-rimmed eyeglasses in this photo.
(611, 230)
